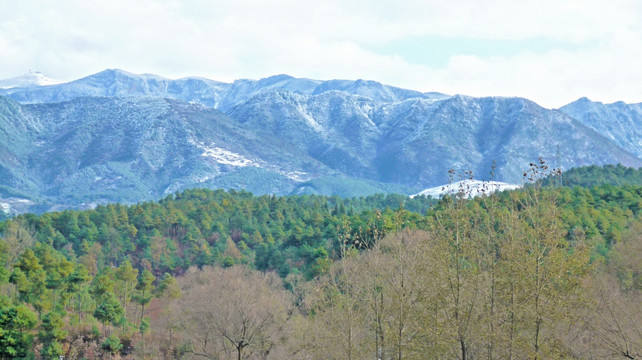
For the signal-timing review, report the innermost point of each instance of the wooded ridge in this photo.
(542, 272)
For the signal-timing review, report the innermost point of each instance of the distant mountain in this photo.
(219, 95)
(619, 122)
(349, 187)
(415, 142)
(118, 83)
(30, 79)
(96, 150)
(421, 140)
(333, 127)
(140, 137)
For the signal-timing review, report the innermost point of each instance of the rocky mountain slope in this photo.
(619, 122)
(115, 136)
(423, 140)
(93, 150)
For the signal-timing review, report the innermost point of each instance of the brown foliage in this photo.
(229, 313)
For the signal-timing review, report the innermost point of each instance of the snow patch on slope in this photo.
(471, 187)
(226, 157)
(309, 119)
(14, 205)
(298, 176)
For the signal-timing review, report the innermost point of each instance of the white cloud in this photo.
(229, 39)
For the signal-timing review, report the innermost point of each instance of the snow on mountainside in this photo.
(619, 122)
(422, 139)
(218, 95)
(30, 79)
(118, 136)
(223, 156)
(471, 188)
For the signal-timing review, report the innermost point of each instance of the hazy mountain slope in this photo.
(133, 149)
(242, 90)
(415, 142)
(619, 122)
(18, 138)
(423, 139)
(333, 127)
(349, 187)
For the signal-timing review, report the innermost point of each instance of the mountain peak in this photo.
(279, 77)
(116, 71)
(31, 78)
(583, 100)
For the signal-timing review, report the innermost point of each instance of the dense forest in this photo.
(547, 271)
(590, 176)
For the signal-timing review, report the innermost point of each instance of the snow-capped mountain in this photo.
(116, 136)
(218, 95)
(30, 79)
(469, 188)
(619, 122)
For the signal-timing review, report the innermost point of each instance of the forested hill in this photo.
(589, 176)
(206, 227)
(91, 275)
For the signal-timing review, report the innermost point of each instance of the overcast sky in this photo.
(550, 51)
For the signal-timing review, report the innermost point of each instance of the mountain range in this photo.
(117, 136)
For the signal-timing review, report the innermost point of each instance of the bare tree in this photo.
(617, 321)
(234, 312)
(404, 292)
(456, 228)
(546, 272)
(19, 236)
(337, 313)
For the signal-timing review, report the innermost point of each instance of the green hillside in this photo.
(113, 281)
(590, 176)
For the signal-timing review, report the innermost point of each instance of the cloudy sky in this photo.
(550, 51)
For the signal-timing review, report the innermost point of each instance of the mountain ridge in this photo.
(618, 121)
(147, 136)
(212, 93)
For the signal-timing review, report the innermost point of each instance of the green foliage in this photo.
(145, 287)
(106, 264)
(168, 287)
(52, 332)
(109, 310)
(192, 227)
(591, 176)
(4, 215)
(15, 338)
(144, 326)
(112, 344)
